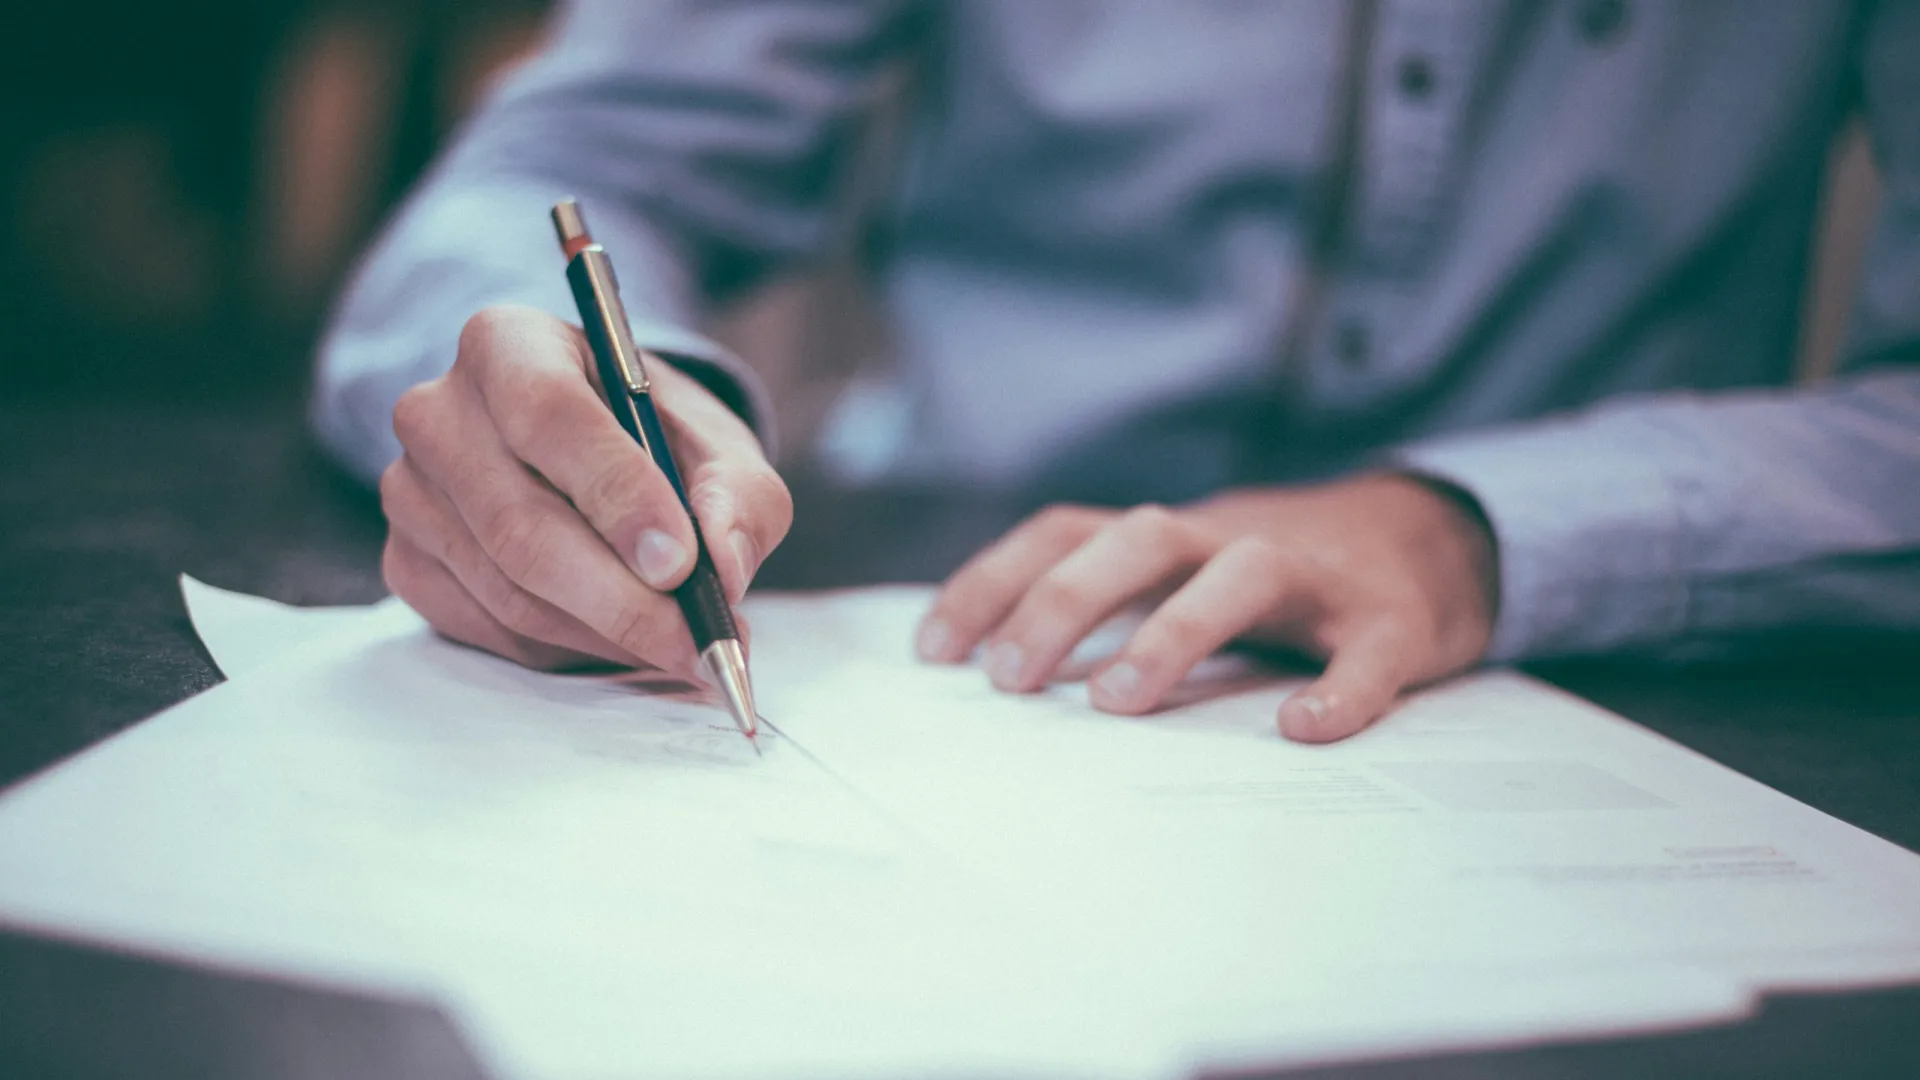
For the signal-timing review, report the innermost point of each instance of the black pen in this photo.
(623, 373)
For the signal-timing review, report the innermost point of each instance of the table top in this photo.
(103, 506)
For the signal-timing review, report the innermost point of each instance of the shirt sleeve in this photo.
(1692, 524)
(705, 140)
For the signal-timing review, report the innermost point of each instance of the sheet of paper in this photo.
(244, 633)
(1530, 825)
(596, 876)
(1325, 1017)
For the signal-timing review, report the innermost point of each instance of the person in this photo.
(1410, 335)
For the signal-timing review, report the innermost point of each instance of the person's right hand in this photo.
(524, 520)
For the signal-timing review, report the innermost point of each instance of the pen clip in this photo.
(627, 356)
(596, 288)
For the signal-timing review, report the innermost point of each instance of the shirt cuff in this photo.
(1588, 528)
(455, 253)
(724, 376)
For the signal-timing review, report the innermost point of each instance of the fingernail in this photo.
(1003, 665)
(1302, 714)
(932, 640)
(743, 560)
(658, 557)
(1118, 683)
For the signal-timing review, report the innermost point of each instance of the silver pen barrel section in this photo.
(727, 664)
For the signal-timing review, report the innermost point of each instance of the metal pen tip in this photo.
(727, 663)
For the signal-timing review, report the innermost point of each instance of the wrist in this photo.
(1461, 525)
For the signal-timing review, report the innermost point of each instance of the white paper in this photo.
(244, 633)
(923, 877)
(1494, 822)
(593, 878)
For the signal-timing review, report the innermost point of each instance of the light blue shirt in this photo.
(1140, 250)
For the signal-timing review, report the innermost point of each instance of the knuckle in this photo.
(1177, 631)
(393, 487)
(630, 625)
(766, 495)
(1152, 525)
(1404, 634)
(958, 604)
(635, 628)
(397, 571)
(518, 611)
(483, 330)
(449, 548)
(980, 587)
(519, 539)
(537, 404)
(414, 413)
(615, 487)
(1379, 624)
(1149, 517)
(1064, 520)
(1257, 557)
(1057, 594)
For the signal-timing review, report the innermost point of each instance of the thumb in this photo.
(1361, 680)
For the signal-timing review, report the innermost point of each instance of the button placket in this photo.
(1424, 53)
(1352, 342)
(1600, 22)
(1414, 77)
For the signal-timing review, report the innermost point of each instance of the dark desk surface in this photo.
(101, 507)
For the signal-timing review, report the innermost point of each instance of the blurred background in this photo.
(183, 186)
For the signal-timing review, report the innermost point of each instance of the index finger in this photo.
(1247, 584)
(551, 417)
(979, 595)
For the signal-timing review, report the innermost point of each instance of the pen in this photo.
(623, 373)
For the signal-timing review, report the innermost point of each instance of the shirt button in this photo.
(1600, 21)
(1351, 344)
(1415, 78)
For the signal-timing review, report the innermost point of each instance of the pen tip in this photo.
(728, 667)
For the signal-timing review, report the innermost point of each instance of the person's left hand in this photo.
(1388, 580)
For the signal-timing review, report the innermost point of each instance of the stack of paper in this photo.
(921, 876)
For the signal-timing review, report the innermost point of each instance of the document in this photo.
(596, 875)
(1493, 821)
(919, 876)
